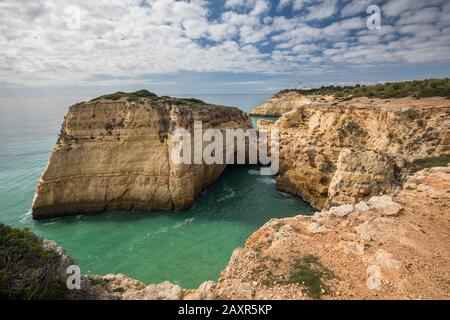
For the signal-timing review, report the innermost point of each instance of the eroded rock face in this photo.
(280, 104)
(346, 152)
(114, 155)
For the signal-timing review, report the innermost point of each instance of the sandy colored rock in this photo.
(374, 280)
(315, 227)
(384, 205)
(343, 152)
(359, 175)
(371, 256)
(281, 103)
(115, 155)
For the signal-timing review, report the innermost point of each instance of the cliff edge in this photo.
(113, 153)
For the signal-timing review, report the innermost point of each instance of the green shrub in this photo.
(419, 89)
(309, 272)
(27, 271)
(130, 95)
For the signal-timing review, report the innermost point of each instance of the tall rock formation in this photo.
(113, 154)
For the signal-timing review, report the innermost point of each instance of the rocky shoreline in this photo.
(113, 154)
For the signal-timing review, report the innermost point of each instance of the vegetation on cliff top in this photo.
(416, 88)
(27, 270)
(130, 95)
(133, 96)
(440, 161)
(306, 271)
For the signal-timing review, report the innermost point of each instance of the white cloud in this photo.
(126, 38)
(395, 7)
(323, 10)
(256, 7)
(356, 7)
(296, 5)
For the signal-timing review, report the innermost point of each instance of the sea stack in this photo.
(113, 154)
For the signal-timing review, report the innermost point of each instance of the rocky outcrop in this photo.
(390, 247)
(282, 103)
(345, 152)
(114, 154)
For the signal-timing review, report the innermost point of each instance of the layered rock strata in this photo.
(115, 155)
(345, 152)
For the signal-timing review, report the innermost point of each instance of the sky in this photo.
(217, 46)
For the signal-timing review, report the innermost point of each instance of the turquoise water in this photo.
(186, 248)
(255, 120)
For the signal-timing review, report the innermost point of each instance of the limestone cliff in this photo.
(113, 154)
(334, 153)
(282, 103)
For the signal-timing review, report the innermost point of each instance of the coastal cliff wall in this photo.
(390, 247)
(114, 155)
(334, 153)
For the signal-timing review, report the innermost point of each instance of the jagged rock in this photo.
(353, 247)
(115, 155)
(204, 292)
(161, 291)
(65, 260)
(315, 227)
(365, 231)
(385, 139)
(374, 280)
(341, 211)
(362, 206)
(237, 290)
(359, 175)
(279, 104)
(384, 206)
(385, 260)
(117, 282)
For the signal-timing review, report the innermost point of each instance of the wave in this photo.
(229, 194)
(268, 180)
(164, 230)
(27, 217)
